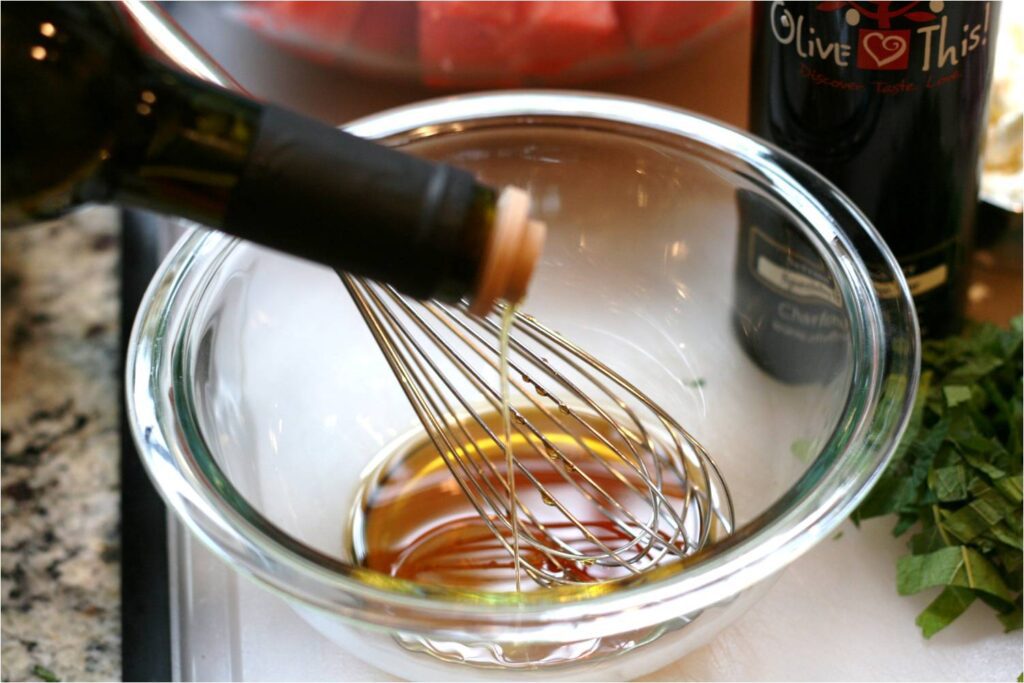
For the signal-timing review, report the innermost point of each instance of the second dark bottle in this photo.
(886, 100)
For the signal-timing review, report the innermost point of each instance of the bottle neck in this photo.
(313, 191)
(194, 150)
(181, 147)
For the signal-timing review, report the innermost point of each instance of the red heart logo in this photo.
(892, 47)
(884, 50)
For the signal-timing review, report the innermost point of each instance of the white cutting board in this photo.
(832, 616)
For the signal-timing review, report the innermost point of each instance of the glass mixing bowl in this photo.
(257, 395)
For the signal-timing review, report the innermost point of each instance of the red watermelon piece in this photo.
(387, 28)
(500, 42)
(331, 21)
(458, 39)
(660, 24)
(555, 36)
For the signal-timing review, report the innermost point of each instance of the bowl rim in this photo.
(885, 370)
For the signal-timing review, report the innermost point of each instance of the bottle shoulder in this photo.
(66, 73)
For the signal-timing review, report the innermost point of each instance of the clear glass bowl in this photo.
(487, 44)
(257, 396)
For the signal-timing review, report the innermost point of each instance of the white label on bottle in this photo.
(794, 283)
(919, 284)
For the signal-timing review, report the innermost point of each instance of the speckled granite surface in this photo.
(60, 544)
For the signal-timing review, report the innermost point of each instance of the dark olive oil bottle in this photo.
(89, 117)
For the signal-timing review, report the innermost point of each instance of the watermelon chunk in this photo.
(555, 36)
(504, 41)
(387, 28)
(465, 38)
(662, 24)
(331, 21)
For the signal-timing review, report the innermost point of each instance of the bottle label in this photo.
(887, 101)
(925, 272)
(931, 51)
(918, 284)
(788, 312)
(790, 274)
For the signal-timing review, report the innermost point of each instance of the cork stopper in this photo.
(511, 255)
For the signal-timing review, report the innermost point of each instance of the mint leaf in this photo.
(952, 566)
(1011, 488)
(803, 449)
(1011, 620)
(977, 517)
(951, 603)
(928, 541)
(973, 370)
(980, 463)
(949, 483)
(956, 394)
(1003, 534)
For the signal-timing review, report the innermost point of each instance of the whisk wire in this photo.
(648, 533)
(441, 356)
(710, 474)
(448, 447)
(493, 397)
(630, 439)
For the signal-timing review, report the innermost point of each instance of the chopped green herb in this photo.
(802, 449)
(1012, 620)
(951, 603)
(956, 394)
(695, 383)
(40, 671)
(956, 479)
(951, 566)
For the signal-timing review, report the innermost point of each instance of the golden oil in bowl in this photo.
(413, 519)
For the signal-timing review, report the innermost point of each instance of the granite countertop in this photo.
(60, 411)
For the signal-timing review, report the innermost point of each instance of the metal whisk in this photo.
(607, 483)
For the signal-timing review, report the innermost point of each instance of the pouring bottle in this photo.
(88, 116)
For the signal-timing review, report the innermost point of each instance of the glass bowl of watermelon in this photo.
(487, 44)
